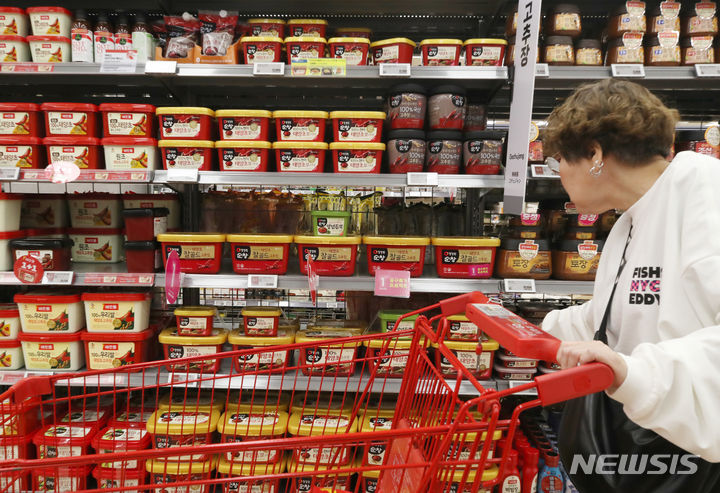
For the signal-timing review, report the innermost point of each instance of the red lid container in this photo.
(22, 151)
(64, 440)
(70, 119)
(20, 119)
(119, 478)
(145, 224)
(142, 257)
(128, 120)
(53, 253)
(54, 478)
(134, 417)
(112, 350)
(82, 151)
(15, 481)
(260, 254)
(332, 255)
(17, 447)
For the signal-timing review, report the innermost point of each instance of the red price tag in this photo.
(28, 270)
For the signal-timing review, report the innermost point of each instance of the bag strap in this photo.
(601, 334)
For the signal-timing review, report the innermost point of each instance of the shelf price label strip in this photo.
(120, 279)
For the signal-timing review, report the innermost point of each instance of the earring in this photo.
(596, 170)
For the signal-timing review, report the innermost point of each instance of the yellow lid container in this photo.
(305, 39)
(485, 41)
(184, 110)
(253, 425)
(307, 21)
(326, 240)
(243, 144)
(375, 474)
(159, 466)
(193, 400)
(459, 241)
(170, 336)
(425, 42)
(308, 423)
(207, 144)
(320, 402)
(376, 420)
(299, 113)
(392, 41)
(251, 469)
(196, 311)
(470, 437)
(249, 113)
(348, 40)
(358, 146)
(400, 344)
(489, 345)
(284, 336)
(397, 240)
(257, 401)
(191, 238)
(447, 475)
(353, 30)
(311, 466)
(166, 422)
(354, 325)
(253, 39)
(265, 21)
(316, 335)
(255, 239)
(358, 114)
(300, 145)
(261, 311)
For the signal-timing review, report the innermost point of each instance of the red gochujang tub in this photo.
(65, 119)
(396, 253)
(20, 119)
(128, 120)
(260, 254)
(331, 255)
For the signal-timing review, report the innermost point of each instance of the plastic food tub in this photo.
(13, 20)
(351, 157)
(354, 32)
(396, 253)
(53, 21)
(269, 360)
(14, 49)
(300, 157)
(307, 28)
(45, 312)
(267, 27)
(108, 478)
(145, 224)
(76, 119)
(11, 358)
(84, 152)
(20, 119)
(203, 400)
(330, 223)
(10, 206)
(117, 312)
(393, 50)
(259, 49)
(514, 373)
(176, 428)
(149, 201)
(142, 256)
(332, 483)
(52, 351)
(97, 245)
(16, 447)
(134, 417)
(119, 439)
(167, 473)
(514, 362)
(260, 254)
(130, 153)
(199, 253)
(187, 154)
(243, 155)
(243, 124)
(391, 362)
(6, 258)
(53, 253)
(128, 120)
(443, 52)
(304, 48)
(44, 211)
(388, 320)
(113, 350)
(300, 126)
(47, 233)
(465, 258)
(460, 328)
(62, 478)
(9, 321)
(357, 126)
(261, 320)
(485, 51)
(372, 420)
(310, 423)
(176, 346)
(239, 427)
(185, 123)
(328, 350)
(195, 320)
(466, 442)
(479, 365)
(354, 50)
(248, 469)
(49, 49)
(21, 152)
(331, 255)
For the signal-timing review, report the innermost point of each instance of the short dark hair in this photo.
(625, 119)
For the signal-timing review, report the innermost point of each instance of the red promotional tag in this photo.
(28, 270)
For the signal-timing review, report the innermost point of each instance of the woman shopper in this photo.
(655, 313)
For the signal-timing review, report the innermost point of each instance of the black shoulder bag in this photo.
(603, 451)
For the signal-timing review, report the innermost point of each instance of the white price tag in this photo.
(519, 285)
(182, 175)
(262, 281)
(58, 277)
(332, 304)
(543, 171)
(518, 383)
(269, 68)
(119, 61)
(8, 278)
(394, 70)
(160, 67)
(542, 70)
(9, 174)
(628, 70)
(422, 179)
(183, 378)
(707, 70)
(270, 303)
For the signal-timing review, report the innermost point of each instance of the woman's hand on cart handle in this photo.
(575, 353)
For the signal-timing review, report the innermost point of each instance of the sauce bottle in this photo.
(104, 38)
(81, 34)
(142, 39)
(530, 470)
(551, 478)
(510, 482)
(123, 38)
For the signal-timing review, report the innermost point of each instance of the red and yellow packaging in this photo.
(268, 360)
(128, 120)
(84, 152)
(243, 155)
(169, 428)
(187, 154)
(176, 346)
(112, 350)
(260, 253)
(331, 255)
(244, 124)
(396, 253)
(465, 258)
(20, 119)
(185, 123)
(70, 119)
(200, 253)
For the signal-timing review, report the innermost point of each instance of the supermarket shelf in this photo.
(505, 384)
(669, 78)
(95, 275)
(334, 305)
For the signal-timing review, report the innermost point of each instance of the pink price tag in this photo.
(392, 283)
(172, 277)
(313, 280)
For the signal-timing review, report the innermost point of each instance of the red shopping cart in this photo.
(317, 416)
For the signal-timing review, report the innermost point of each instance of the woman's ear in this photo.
(596, 153)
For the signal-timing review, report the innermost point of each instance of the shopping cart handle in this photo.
(565, 385)
(456, 305)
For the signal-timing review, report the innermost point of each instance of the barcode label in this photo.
(519, 285)
(395, 70)
(262, 281)
(58, 277)
(269, 68)
(709, 70)
(542, 70)
(422, 179)
(9, 174)
(628, 70)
